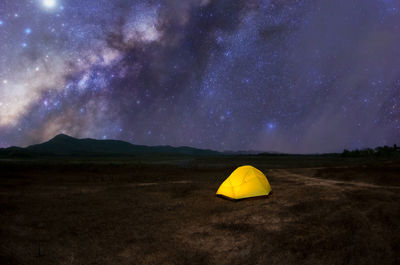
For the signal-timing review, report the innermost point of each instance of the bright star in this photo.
(49, 3)
(1, 22)
(271, 125)
(28, 31)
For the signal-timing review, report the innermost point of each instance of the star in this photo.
(271, 125)
(49, 3)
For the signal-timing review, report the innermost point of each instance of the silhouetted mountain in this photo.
(65, 145)
(251, 152)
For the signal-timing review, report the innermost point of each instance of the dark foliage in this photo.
(378, 151)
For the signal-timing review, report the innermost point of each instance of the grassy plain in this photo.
(163, 210)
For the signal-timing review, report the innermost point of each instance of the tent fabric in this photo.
(245, 182)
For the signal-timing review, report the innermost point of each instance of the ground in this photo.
(163, 210)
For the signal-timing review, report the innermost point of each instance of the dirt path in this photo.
(328, 182)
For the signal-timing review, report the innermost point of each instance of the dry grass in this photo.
(129, 212)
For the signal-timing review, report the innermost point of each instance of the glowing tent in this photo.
(245, 182)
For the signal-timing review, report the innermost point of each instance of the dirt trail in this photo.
(328, 182)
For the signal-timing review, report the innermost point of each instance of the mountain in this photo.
(251, 152)
(64, 145)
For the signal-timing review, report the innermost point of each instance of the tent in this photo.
(244, 182)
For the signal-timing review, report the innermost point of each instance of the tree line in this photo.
(378, 151)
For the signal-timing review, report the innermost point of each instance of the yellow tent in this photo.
(245, 182)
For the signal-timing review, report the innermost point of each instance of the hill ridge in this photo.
(64, 145)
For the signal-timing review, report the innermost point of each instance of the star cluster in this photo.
(275, 75)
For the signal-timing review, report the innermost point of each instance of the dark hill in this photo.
(66, 145)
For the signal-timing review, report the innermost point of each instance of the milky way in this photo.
(296, 76)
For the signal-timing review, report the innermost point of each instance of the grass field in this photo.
(163, 210)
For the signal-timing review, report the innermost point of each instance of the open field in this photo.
(323, 210)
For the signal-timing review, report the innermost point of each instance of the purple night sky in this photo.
(295, 76)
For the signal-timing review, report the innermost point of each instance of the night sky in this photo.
(273, 75)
